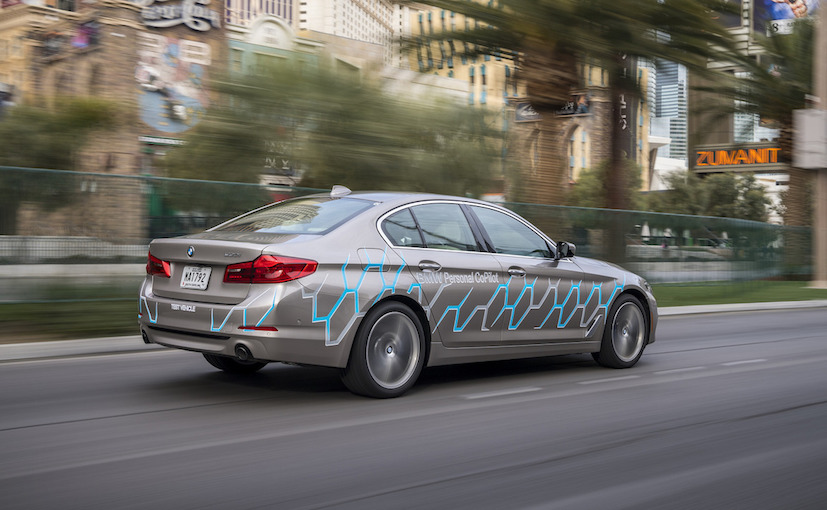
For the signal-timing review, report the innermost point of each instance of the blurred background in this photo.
(665, 142)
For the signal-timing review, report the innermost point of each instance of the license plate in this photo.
(195, 277)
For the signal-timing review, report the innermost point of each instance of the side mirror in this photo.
(565, 250)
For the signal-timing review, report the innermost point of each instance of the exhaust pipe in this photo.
(243, 353)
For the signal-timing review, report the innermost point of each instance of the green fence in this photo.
(54, 217)
(679, 248)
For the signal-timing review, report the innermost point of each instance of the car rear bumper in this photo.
(268, 347)
(265, 324)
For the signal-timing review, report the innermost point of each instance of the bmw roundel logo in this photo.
(190, 251)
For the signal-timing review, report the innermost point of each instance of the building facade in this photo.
(152, 61)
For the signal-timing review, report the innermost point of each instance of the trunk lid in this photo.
(197, 267)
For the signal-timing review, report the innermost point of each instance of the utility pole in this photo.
(820, 210)
(810, 152)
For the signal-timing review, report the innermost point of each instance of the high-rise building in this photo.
(370, 21)
(670, 108)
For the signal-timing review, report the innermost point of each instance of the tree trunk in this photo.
(621, 95)
(797, 207)
(542, 177)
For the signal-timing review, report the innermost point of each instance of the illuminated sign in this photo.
(744, 157)
(192, 13)
(524, 112)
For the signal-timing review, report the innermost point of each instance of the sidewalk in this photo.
(133, 343)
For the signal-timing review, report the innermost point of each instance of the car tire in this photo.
(388, 353)
(625, 335)
(232, 365)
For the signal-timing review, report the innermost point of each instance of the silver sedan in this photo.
(383, 284)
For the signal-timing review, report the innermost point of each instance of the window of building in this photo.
(236, 60)
(195, 52)
(17, 47)
(263, 61)
(152, 43)
(66, 5)
(578, 151)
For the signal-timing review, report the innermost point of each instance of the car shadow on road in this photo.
(281, 381)
(509, 369)
(285, 379)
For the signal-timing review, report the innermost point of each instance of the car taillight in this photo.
(157, 267)
(269, 269)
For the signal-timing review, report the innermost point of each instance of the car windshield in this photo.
(312, 215)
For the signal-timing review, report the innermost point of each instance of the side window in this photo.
(511, 236)
(401, 229)
(445, 227)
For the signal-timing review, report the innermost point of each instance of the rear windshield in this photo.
(312, 215)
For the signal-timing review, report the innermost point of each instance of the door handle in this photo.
(516, 271)
(429, 265)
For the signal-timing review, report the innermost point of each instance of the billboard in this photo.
(773, 17)
(743, 157)
(170, 78)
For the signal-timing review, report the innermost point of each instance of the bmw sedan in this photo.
(383, 284)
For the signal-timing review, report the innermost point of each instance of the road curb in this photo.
(673, 311)
(82, 347)
(134, 343)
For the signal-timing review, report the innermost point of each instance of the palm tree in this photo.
(548, 39)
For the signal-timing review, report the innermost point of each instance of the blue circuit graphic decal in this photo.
(218, 323)
(512, 308)
(374, 281)
(268, 295)
(368, 268)
(514, 323)
(143, 301)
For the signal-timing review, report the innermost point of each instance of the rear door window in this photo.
(401, 230)
(445, 227)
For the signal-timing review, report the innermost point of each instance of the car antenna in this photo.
(339, 191)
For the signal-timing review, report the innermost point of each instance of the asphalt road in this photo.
(724, 411)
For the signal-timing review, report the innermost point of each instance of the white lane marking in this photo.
(84, 357)
(501, 393)
(611, 379)
(679, 370)
(744, 362)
